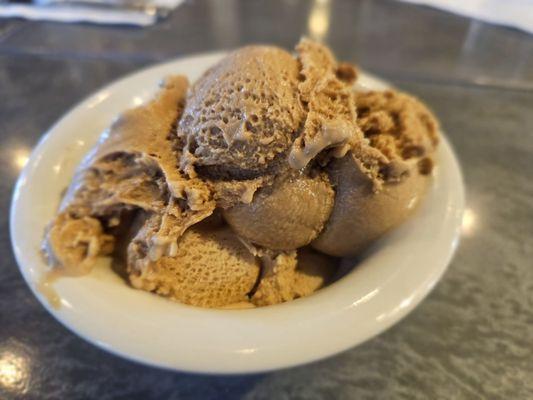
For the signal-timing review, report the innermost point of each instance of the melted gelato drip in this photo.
(45, 286)
(336, 133)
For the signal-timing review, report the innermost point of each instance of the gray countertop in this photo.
(473, 336)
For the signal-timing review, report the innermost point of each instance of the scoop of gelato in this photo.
(360, 214)
(133, 166)
(286, 215)
(207, 267)
(242, 115)
(369, 201)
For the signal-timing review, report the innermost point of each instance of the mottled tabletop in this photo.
(472, 338)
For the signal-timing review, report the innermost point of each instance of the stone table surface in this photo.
(472, 338)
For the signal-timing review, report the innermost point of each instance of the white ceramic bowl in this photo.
(392, 278)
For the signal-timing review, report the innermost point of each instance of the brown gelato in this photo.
(238, 191)
(242, 115)
(297, 205)
(371, 201)
(208, 266)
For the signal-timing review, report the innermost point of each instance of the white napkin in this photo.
(513, 13)
(80, 13)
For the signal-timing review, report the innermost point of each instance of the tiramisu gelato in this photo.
(244, 189)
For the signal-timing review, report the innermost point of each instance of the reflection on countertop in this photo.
(14, 368)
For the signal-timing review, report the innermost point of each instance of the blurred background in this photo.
(394, 39)
(471, 339)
